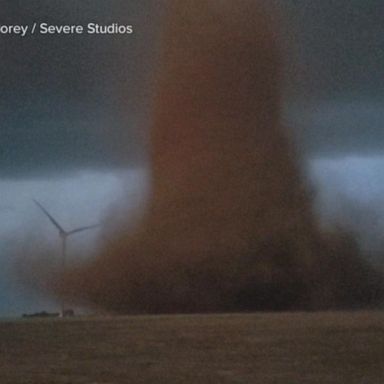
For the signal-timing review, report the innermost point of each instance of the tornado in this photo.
(229, 224)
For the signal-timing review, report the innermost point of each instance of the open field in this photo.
(333, 347)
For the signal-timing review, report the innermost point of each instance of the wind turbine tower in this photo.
(63, 236)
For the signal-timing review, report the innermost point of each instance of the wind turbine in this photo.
(63, 236)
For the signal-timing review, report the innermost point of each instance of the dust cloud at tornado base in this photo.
(229, 225)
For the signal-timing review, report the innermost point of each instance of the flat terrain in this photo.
(334, 347)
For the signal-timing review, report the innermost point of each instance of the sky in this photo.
(66, 102)
(336, 75)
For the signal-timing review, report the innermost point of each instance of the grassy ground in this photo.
(256, 348)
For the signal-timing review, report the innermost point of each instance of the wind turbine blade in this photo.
(53, 221)
(81, 229)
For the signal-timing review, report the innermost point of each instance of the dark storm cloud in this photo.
(337, 128)
(61, 95)
(341, 45)
(63, 98)
(336, 99)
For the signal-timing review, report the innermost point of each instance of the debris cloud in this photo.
(229, 225)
